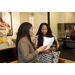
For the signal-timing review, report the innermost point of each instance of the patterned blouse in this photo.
(47, 57)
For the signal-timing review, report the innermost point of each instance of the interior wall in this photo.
(23, 18)
(20, 17)
(43, 17)
(60, 17)
(39, 17)
(54, 19)
(70, 17)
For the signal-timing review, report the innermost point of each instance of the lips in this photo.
(44, 33)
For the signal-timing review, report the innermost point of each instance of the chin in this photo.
(44, 34)
(31, 36)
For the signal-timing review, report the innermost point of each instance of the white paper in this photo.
(48, 42)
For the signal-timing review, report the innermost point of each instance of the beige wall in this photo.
(42, 17)
(23, 18)
(69, 17)
(54, 19)
(20, 17)
(38, 18)
(60, 17)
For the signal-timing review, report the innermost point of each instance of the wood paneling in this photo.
(8, 55)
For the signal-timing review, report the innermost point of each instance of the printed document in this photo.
(48, 41)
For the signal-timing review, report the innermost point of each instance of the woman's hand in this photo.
(35, 42)
(40, 49)
(46, 51)
(53, 48)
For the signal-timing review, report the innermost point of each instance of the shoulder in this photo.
(23, 39)
(54, 36)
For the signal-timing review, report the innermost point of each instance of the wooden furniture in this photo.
(67, 43)
(13, 61)
(61, 60)
(8, 54)
(63, 40)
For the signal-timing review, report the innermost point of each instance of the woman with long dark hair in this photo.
(45, 31)
(25, 49)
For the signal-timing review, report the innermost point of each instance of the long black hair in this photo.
(40, 35)
(22, 31)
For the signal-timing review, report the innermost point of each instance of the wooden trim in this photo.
(48, 18)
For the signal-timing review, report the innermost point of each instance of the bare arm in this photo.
(53, 48)
(57, 44)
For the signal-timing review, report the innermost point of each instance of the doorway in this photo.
(30, 18)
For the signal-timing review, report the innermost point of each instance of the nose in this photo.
(33, 32)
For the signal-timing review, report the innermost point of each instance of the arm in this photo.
(53, 48)
(26, 55)
(45, 51)
(57, 44)
(24, 48)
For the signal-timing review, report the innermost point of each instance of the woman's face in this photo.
(44, 29)
(31, 32)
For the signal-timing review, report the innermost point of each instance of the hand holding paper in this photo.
(48, 41)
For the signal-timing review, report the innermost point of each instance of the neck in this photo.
(44, 35)
(26, 36)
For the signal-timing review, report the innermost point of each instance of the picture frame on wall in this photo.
(6, 23)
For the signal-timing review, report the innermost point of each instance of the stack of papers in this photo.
(48, 42)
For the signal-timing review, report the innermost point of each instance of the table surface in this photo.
(66, 40)
(8, 47)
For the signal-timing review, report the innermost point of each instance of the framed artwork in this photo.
(64, 29)
(69, 26)
(6, 23)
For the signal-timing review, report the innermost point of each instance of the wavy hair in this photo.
(40, 35)
(22, 31)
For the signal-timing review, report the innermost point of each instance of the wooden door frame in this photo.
(48, 14)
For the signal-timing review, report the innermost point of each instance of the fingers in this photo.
(45, 51)
(53, 48)
(35, 40)
(44, 47)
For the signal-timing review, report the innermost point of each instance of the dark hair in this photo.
(40, 35)
(22, 31)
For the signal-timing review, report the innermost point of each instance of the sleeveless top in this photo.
(47, 57)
